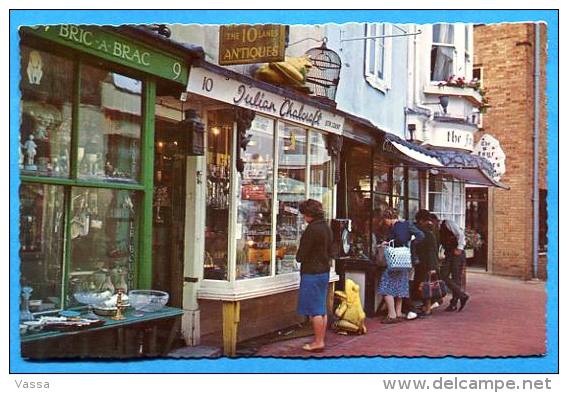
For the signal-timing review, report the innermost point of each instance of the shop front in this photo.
(87, 127)
(267, 149)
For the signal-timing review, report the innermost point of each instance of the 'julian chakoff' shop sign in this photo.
(231, 91)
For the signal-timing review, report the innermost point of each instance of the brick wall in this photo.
(505, 53)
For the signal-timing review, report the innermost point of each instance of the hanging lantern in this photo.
(323, 76)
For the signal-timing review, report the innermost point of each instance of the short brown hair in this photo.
(312, 208)
(390, 214)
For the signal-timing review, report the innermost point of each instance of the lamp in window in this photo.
(444, 101)
(323, 76)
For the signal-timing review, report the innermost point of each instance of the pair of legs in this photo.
(319, 324)
(452, 275)
(394, 306)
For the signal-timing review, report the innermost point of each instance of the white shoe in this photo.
(411, 315)
(435, 305)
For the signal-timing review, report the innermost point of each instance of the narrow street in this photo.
(505, 317)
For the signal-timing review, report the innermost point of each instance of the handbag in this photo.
(379, 257)
(433, 287)
(398, 258)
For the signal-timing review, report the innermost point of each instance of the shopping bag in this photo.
(398, 258)
(433, 287)
(379, 257)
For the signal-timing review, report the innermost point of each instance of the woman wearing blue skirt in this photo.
(314, 255)
(394, 283)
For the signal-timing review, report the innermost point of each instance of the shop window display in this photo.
(399, 191)
(80, 236)
(41, 244)
(219, 145)
(102, 231)
(321, 173)
(413, 192)
(254, 208)
(109, 126)
(292, 162)
(45, 119)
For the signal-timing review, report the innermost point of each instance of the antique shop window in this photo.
(321, 172)
(81, 232)
(378, 55)
(41, 243)
(447, 199)
(46, 85)
(254, 207)
(109, 126)
(358, 178)
(102, 230)
(442, 53)
(291, 183)
(219, 145)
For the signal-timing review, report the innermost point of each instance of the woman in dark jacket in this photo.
(427, 253)
(314, 254)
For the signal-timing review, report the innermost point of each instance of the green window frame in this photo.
(142, 274)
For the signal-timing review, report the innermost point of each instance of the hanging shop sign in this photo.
(452, 137)
(246, 44)
(218, 87)
(489, 148)
(116, 48)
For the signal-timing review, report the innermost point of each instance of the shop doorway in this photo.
(477, 230)
(169, 211)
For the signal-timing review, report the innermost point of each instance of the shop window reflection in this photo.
(254, 208)
(292, 153)
(41, 244)
(109, 126)
(103, 239)
(45, 119)
(219, 145)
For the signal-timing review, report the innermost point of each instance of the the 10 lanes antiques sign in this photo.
(245, 44)
(209, 84)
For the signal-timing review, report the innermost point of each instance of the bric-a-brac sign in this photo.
(489, 148)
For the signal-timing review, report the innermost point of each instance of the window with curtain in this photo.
(378, 55)
(442, 53)
(447, 198)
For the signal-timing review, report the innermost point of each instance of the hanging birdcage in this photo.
(323, 76)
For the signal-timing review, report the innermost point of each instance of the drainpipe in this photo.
(416, 95)
(536, 150)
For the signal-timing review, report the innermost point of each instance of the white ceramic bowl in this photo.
(148, 300)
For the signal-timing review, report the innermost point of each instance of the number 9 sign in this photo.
(176, 68)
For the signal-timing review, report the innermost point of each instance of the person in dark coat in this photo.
(427, 252)
(314, 254)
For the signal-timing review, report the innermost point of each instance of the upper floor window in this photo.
(378, 55)
(442, 53)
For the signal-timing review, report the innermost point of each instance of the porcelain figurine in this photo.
(31, 150)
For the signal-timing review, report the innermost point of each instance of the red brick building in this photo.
(504, 61)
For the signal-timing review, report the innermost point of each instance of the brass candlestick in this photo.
(119, 307)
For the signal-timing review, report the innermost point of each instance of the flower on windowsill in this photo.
(475, 84)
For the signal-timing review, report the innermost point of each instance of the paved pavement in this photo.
(505, 317)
